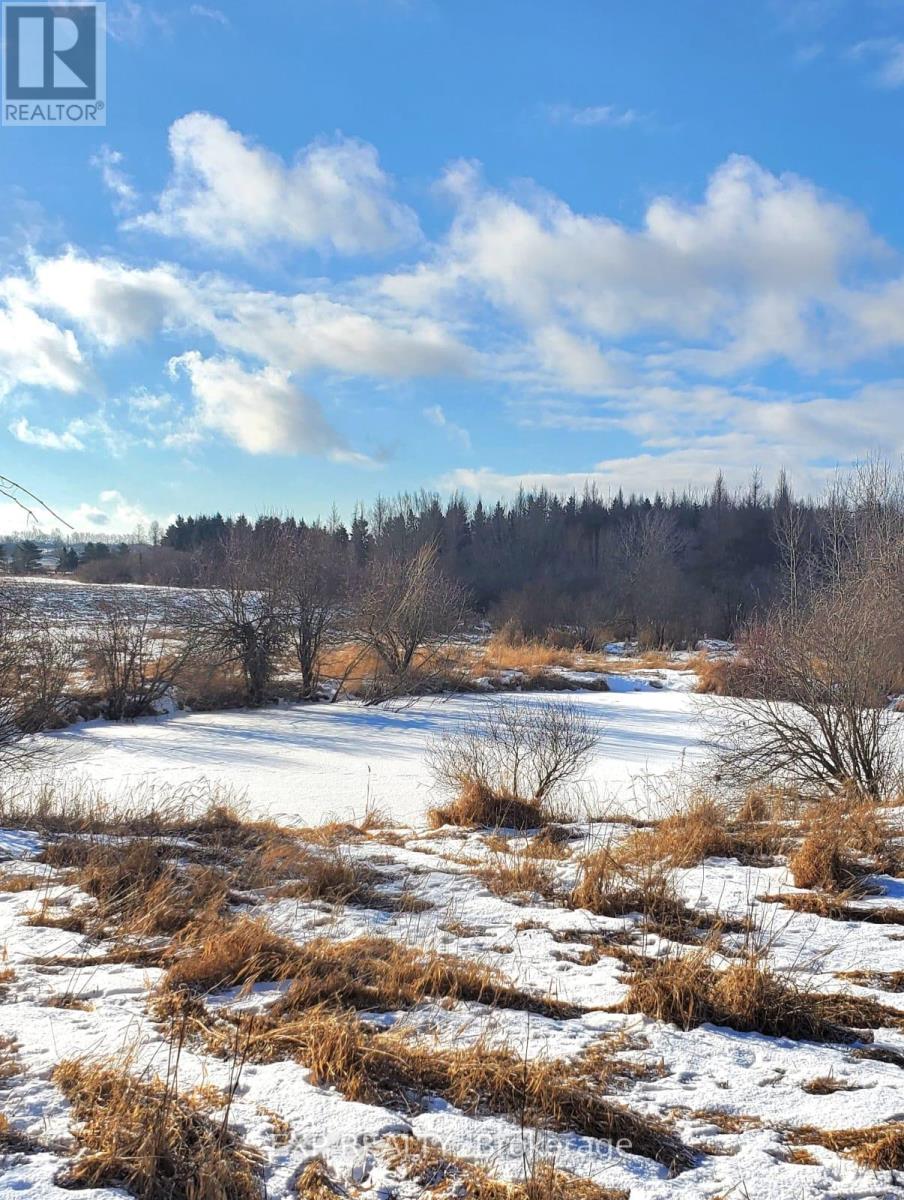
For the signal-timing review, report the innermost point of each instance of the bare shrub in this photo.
(821, 666)
(237, 618)
(405, 613)
(507, 765)
(48, 661)
(135, 653)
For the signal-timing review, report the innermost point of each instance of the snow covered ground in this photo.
(730, 1097)
(306, 763)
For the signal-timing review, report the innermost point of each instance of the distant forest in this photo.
(666, 570)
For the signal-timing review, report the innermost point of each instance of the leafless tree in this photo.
(650, 577)
(515, 748)
(313, 585)
(237, 617)
(821, 667)
(136, 652)
(405, 612)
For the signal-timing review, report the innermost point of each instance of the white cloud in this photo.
(594, 114)
(887, 58)
(34, 351)
(263, 412)
(112, 514)
(117, 305)
(109, 163)
(436, 415)
(47, 439)
(209, 14)
(227, 193)
(752, 273)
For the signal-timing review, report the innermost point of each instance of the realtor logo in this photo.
(54, 64)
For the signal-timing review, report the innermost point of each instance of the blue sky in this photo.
(330, 248)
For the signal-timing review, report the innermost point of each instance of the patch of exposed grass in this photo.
(882, 981)
(14, 1142)
(388, 1068)
(835, 906)
(144, 1136)
(751, 997)
(441, 1174)
(705, 829)
(372, 973)
(314, 1182)
(828, 1085)
(611, 886)
(516, 875)
(877, 1147)
(20, 881)
(479, 807)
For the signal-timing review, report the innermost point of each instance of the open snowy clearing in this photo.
(306, 763)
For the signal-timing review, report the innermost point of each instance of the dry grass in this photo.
(828, 1085)
(835, 906)
(369, 972)
(388, 1068)
(708, 829)
(69, 1001)
(441, 1174)
(518, 875)
(551, 842)
(883, 981)
(10, 1066)
(721, 676)
(479, 807)
(158, 884)
(315, 1183)
(610, 886)
(750, 997)
(531, 656)
(144, 1136)
(877, 1147)
(18, 881)
(13, 1142)
(846, 838)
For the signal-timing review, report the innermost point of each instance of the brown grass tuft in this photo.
(388, 1068)
(144, 1136)
(476, 806)
(513, 875)
(441, 1174)
(748, 996)
(369, 972)
(315, 1183)
(877, 1147)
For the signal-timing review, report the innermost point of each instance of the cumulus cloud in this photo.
(227, 193)
(263, 412)
(744, 276)
(34, 351)
(656, 329)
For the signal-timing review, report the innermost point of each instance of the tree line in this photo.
(662, 571)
